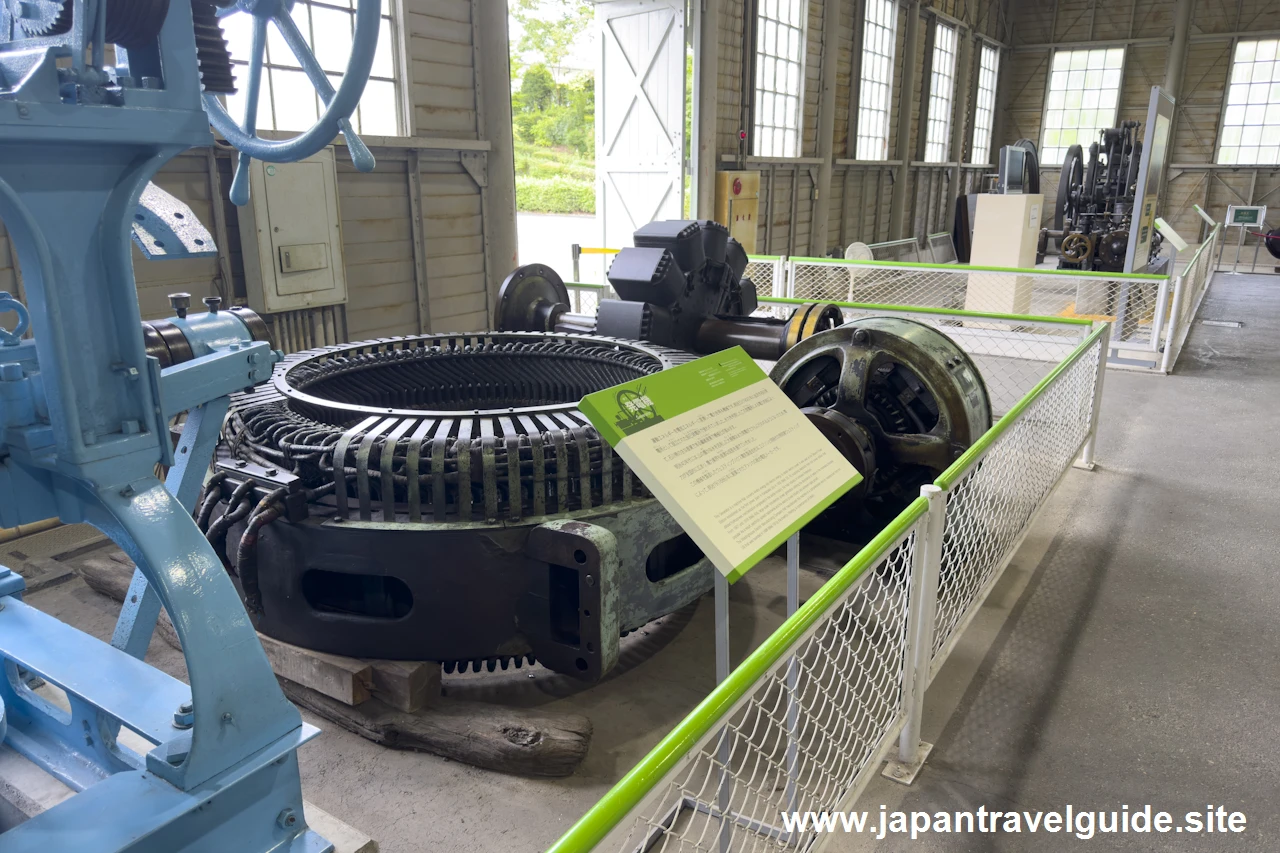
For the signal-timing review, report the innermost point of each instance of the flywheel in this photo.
(900, 400)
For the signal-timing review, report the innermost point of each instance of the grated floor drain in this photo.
(1229, 324)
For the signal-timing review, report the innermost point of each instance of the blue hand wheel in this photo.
(339, 105)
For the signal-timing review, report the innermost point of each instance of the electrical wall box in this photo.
(738, 206)
(291, 233)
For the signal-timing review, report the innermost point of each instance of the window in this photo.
(779, 77)
(937, 140)
(985, 106)
(1251, 123)
(286, 100)
(1084, 87)
(876, 91)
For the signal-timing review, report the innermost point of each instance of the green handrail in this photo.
(948, 477)
(914, 309)
(965, 268)
(925, 309)
(636, 785)
(606, 814)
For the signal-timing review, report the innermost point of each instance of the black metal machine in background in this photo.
(1093, 215)
(682, 285)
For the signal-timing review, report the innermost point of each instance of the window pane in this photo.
(239, 32)
(1251, 121)
(332, 38)
(236, 103)
(378, 109)
(295, 100)
(288, 102)
(278, 52)
(1087, 95)
(941, 93)
(779, 59)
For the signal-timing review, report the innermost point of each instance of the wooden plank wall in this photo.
(378, 241)
(858, 199)
(1145, 29)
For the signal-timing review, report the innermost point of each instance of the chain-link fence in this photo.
(809, 731)
(796, 731)
(1128, 301)
(1189, 289)
(585, 298)
(1012, 353)
(991, 498)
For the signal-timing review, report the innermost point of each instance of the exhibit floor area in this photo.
(1123, 658)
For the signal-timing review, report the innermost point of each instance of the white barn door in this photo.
(640, 109)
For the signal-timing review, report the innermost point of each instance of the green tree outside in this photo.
(554, 122)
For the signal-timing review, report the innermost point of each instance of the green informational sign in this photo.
(1240, 215)
(727, 454)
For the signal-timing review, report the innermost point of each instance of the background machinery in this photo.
(85, 407)
(682, 285)
(1094, 212)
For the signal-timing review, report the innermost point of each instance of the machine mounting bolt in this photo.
(213, 303)
(184, 717)
(271, 472)
(287, 819)
(11, 372)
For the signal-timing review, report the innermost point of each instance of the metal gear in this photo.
(211, 50)
(45, 17)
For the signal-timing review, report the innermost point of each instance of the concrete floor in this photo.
(1127, 656)
(1139, 664)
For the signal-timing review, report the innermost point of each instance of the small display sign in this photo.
(1243, 215)
(733, 460)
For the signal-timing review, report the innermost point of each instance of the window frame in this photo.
(758, 91)
(865, 112)
(392, 13)
(946, 118)
(1269, 106)
(1043, 148)
(983, 47)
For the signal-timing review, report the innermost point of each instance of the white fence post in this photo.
(918, 655)
(1086, 453)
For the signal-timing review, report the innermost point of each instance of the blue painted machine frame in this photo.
(84, 415)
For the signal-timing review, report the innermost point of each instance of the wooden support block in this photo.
(346, 679)
(526, 742)
(44, 572)
(111, 578)
(406, 685)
